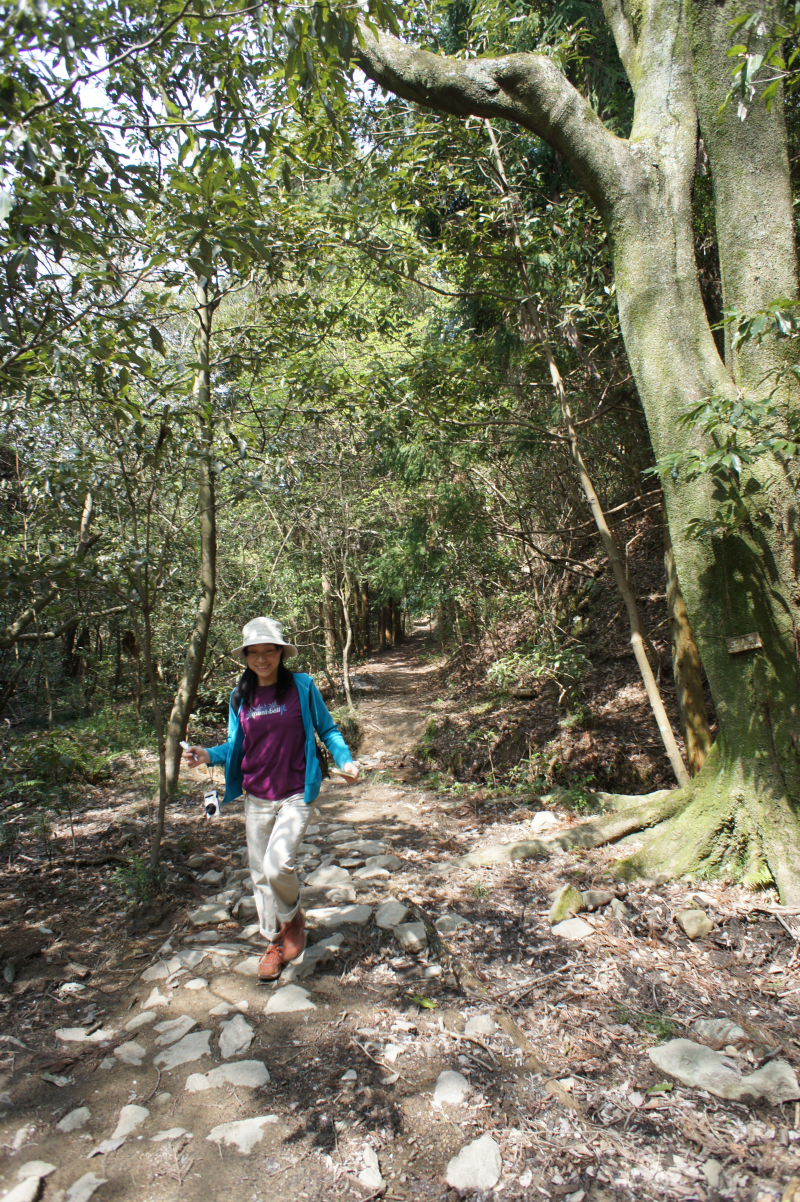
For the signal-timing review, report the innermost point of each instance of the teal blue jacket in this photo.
(315, 718)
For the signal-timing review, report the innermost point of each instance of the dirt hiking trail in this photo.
(153, 1066)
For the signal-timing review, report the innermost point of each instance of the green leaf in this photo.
(425, 1002)
(157, 340)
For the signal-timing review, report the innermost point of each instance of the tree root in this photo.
(733, 820)
(735, 824)
(638, 814)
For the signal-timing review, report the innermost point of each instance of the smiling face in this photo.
(264, 659)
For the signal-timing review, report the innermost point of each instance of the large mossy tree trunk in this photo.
(741, 813)
(687, 670)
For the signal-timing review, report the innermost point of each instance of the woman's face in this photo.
(264, 659)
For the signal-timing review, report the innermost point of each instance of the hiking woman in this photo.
(271, 757)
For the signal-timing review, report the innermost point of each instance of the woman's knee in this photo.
(276, 869)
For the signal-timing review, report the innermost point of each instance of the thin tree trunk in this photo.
(207, 516)
(365, 616)
(118, 662)
(43, 663)
(8, 691)
(686, 669)
(338, 617)
(345, 599)
(158, 719)
(355, 612)
(356, 603)
(327, 622)
(441, 618)
(398, 634)
(139, 683)
(638, 639)
(459, 636)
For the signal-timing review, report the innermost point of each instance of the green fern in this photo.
(758, 875)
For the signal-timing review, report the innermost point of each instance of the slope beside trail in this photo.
(152, 1066)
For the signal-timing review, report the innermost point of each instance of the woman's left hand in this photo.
(350, 772)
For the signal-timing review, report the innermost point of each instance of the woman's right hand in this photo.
(195, 756)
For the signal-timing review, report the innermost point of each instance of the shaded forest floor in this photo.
(592, 733)
(356, 1068)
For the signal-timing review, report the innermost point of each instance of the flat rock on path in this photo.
(390, 915)
(327, 876)
(191, 1047)
(699, 1067)
(566, 904)
(411, 936)
(476, 1167)
(289, 1000)
(235, 1036)
(210, 913)
(448, 924)
(573, 928)
(242, 1134)
(171, 1133)
(250, 1074)
(84, 1187)
(339, 916)
(75, 1120)
(130, 1117)
(82, 1035)
(39, 1169)
(718, 1030)
(130, 1053)
(480, 1025)
(173, 1029)
(26, 1191)
(451, 1089)
(248, 967)
(141, 1020)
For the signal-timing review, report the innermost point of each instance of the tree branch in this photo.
(623, 33)
(49, 635)
(525, 88)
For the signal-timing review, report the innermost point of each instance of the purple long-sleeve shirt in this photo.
(274, 760)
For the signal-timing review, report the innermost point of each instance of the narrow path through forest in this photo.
(153, 1065)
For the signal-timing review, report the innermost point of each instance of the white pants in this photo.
(275, 830)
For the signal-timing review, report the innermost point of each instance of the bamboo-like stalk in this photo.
(637, 636)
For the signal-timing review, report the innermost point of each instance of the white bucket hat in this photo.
(264, 630)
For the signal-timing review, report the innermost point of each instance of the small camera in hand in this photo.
(211, 803)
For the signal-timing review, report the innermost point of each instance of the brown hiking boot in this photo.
(271, 963)
(293, 935)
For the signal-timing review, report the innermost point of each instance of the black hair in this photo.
(248, 683)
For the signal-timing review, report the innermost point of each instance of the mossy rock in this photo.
(567, 903)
